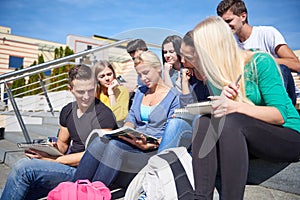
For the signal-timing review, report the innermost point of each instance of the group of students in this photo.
(252, 116)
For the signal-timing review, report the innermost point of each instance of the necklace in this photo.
(153, 99)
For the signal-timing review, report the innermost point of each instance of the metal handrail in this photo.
(47, 65)
(37, 69)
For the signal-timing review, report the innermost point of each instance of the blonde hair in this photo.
(221, 60)
(149, 58)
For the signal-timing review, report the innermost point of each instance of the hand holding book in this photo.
(33, 153)
(38, 150)
(134, 137)
(140, 141)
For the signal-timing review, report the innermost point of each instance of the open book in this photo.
(192, 109)
(45, 147)
(123, 131)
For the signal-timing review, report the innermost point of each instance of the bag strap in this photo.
(183, 185)
(85, 190)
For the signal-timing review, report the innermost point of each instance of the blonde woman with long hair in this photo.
(153, 106)
(252, 113)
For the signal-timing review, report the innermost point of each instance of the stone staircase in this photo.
(265, 179)
(39, 125)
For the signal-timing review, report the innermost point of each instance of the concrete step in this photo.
(10, 153)
(16, 137)
(39, 124)
(51, 120)
(43, 130)
(270, 179)
(286, 175)
(278, 176)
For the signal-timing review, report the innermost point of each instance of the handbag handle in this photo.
(84, 181)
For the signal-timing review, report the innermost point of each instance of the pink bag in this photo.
(81, 190)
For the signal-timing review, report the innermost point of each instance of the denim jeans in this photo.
(289, 83)
(34, 178)
(104, 159)
(177, 133)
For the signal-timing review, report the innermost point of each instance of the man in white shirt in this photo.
(263, 38)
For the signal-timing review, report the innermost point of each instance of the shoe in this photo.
(95, 133)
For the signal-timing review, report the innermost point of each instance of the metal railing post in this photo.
(46, 95)
(19, 117)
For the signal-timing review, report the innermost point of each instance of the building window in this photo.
(47, 73)
(15, 62)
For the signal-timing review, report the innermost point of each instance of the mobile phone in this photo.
(121, 79)
(238, 79)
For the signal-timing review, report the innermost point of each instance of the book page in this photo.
(123, 131)
(47, 148)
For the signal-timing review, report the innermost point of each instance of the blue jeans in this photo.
(33, 179)
(104, 159)
(289, 83)
(177, 133)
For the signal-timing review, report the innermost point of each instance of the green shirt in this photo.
(264, 87)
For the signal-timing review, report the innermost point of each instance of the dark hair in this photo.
(188, 39)
(139, 44)
(236, 6)
(80, 72)
(176, 41)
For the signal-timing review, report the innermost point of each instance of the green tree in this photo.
(16, 90)
(55, 79)
(31, 85)
(56, 53)
(33, 81)
(68, 51)
(41, 59)
(61, 52)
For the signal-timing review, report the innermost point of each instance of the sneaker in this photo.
(95, 133)
(143, 196)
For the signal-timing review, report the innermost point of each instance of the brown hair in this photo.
(80, 72)
(99, 67)
(236, 6)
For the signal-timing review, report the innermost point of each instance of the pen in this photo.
(238, 79)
